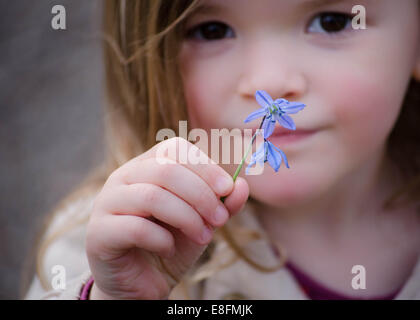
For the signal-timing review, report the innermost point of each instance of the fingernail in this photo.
(221, 214)
(206, 235)
(223, 184)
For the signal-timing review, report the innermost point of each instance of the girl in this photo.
(341, 223)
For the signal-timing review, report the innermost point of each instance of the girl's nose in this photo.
(278, 74)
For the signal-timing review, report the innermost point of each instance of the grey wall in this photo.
(50, 118)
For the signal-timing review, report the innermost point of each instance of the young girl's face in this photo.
(352, 81)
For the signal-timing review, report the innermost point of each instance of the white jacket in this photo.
(239, 280)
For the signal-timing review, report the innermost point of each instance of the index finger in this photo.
(190, 156)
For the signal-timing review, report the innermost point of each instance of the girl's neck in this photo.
(349, 227)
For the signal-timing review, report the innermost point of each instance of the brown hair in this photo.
(142, 80)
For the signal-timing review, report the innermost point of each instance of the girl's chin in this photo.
(283, 194)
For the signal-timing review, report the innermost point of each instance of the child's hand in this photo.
(147, 210)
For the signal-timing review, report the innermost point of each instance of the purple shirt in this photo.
(316, 291)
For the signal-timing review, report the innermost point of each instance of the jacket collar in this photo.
(244, 280)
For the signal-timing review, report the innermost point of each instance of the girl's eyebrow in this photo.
(314, 4)
(209, 9)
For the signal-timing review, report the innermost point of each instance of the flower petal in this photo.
(263, 98)
(249, 166)
(260, 153)
(256, 114)
(268, 126)
(273, 158)
(284, 158)
(292, 107)
(283, 155)
(281, 102)
(258, 156)
(286, 121)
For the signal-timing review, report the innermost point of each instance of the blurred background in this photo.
(51, 131)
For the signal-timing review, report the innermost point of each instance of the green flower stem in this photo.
(243, 159)
(238, 169)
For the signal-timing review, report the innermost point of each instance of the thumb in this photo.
(238, 197)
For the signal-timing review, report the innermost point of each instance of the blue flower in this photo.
(268, 152)
(274, 111)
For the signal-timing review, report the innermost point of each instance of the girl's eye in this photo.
(209, 31)
(330, 22)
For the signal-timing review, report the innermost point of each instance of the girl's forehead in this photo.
(292, 10)
(284, 10)
(271, 9)
(217, 5)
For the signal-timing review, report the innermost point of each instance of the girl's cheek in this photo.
(202, 92)
(365, 110)
(193, 101)
(196, 97)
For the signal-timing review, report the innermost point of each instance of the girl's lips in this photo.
(282, 135)
(291, 136)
